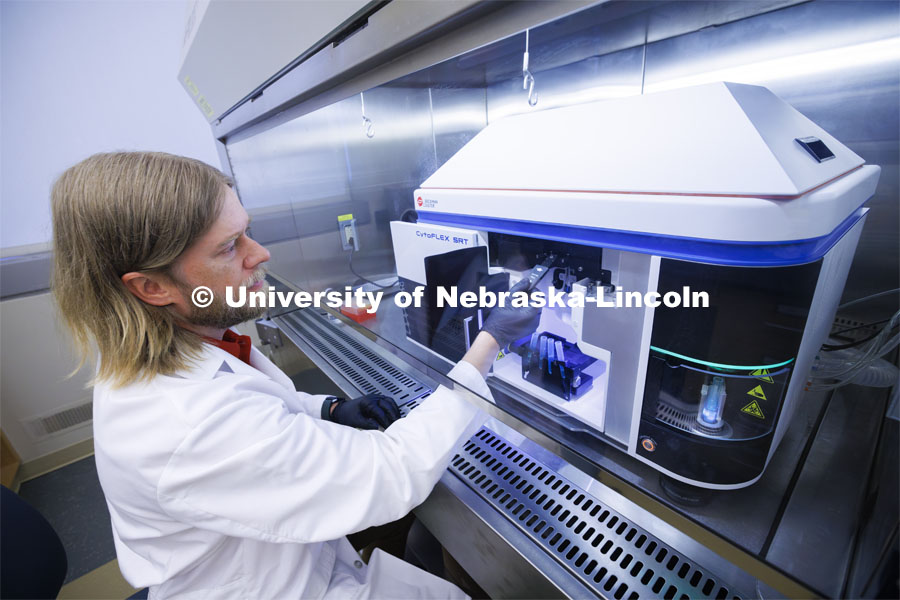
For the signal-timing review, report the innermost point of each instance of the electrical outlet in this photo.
(347, 229)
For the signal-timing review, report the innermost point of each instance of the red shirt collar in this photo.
(234, 344)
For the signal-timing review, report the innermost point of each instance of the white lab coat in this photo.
(224, 482)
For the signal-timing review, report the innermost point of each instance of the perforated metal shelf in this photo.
(368, 371)
(609, 553)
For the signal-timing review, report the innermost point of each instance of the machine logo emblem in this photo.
(419, 200)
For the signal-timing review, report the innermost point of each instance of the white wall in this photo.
(85, 76)
(77, 77)
(35, 362)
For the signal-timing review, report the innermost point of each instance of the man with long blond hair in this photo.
(222, 481)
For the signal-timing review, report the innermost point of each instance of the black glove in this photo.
(366, 412)
(508, 323)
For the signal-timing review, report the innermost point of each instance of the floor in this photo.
(71, 499)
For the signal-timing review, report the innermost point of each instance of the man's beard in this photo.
(219, 315)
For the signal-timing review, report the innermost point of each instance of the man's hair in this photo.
(116, 213)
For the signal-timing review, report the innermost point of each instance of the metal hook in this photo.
(368, 125)
(527, 77)
(529, 83)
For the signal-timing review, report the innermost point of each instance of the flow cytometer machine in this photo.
(707, 233)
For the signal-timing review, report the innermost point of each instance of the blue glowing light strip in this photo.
(720, 365)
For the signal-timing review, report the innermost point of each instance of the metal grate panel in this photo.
(606, 551)
(368, 371)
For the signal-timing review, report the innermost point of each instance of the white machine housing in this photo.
(721, 186)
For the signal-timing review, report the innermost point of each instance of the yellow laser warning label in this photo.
(762, 375)
(346, 217)
(757, 392)
(754, 410)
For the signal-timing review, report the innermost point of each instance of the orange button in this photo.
(648, 444)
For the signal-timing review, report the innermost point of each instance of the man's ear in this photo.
(149, 288)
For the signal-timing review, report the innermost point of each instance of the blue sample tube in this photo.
(712, 402)
(561, 362)
(560, 354)
(533, 350)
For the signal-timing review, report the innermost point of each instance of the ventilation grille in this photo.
(607, 552)
(365, 369)
(60, 421)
